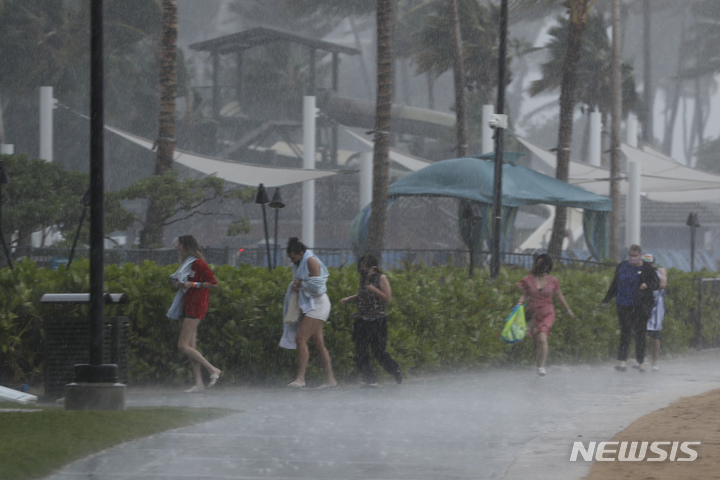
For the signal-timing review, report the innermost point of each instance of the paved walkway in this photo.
(496, 424)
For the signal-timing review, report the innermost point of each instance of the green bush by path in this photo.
(440, 319)
(35, 443)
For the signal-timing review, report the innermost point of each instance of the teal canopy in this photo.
(471, 180)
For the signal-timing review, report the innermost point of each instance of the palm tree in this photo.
(704, 63)
(425, 39)
(578, 11)
(459, 76)
(614, 243)
(314, 18)
(35, 47)
(593, 73)
(152, 233)
(594, 79)
(648, 89)
(708, 63)
(385, 92)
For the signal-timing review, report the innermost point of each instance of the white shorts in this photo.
(322, 308)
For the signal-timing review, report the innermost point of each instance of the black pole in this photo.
(262, 199)
(276, 204)
(277, 214)
(4, 179)
(499, 134)
(267, 238)
(693, 223)
(97, 123)
(470, 216)
(692, 247)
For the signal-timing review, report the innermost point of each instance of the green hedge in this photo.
(440, 319)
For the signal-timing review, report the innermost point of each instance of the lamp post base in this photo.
(95, 387)
(95, 396)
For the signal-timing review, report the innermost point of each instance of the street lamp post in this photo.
(276, 204)
(95, 385)
(262, 199)
(500, 122)
(97, 192)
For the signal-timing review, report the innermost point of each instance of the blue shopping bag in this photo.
(515, 327)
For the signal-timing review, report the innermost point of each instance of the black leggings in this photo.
(372, 334)
(633, 322)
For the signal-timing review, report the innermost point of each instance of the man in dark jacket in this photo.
(632, 288)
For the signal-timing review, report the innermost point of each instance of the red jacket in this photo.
(197, 299)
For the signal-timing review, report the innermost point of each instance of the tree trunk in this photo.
(674, 102)
(578, 20)
(699, 124)
(152, 233)
(614, 244)
(459, 76)
(648, 91)
(385, 77)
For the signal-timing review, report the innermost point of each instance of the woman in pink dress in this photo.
(539, 288)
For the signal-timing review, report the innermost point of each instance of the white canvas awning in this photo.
(662, 178)
(236, 172)
(295, 150)
(670, 181)
(591, 178)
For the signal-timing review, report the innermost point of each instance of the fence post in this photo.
(697, 320)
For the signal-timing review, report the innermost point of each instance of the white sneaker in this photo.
(195, 389)
(369, 385)
(655, 368)
(541, 371)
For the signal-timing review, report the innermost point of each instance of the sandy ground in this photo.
(688, 419)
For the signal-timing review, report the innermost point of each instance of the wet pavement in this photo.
(492, 424)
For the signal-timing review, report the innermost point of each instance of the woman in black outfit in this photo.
(370, 327)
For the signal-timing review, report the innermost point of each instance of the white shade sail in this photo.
(236, 172)
(590, 177)
(666, 180)
(662, 179)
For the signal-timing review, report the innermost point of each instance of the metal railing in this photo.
(49, 257)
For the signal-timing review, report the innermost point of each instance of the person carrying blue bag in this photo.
(515, 327)
(540, 288)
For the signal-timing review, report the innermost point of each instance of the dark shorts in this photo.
(653, 333)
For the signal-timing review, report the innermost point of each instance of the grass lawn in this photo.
(34, 444)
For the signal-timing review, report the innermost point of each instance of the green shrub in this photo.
(440, 319)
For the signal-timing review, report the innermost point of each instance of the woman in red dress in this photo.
(193, 280)
(539, 288)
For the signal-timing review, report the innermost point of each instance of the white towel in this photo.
(311, 286)
(181, 275)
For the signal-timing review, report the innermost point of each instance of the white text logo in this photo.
(634, 451)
